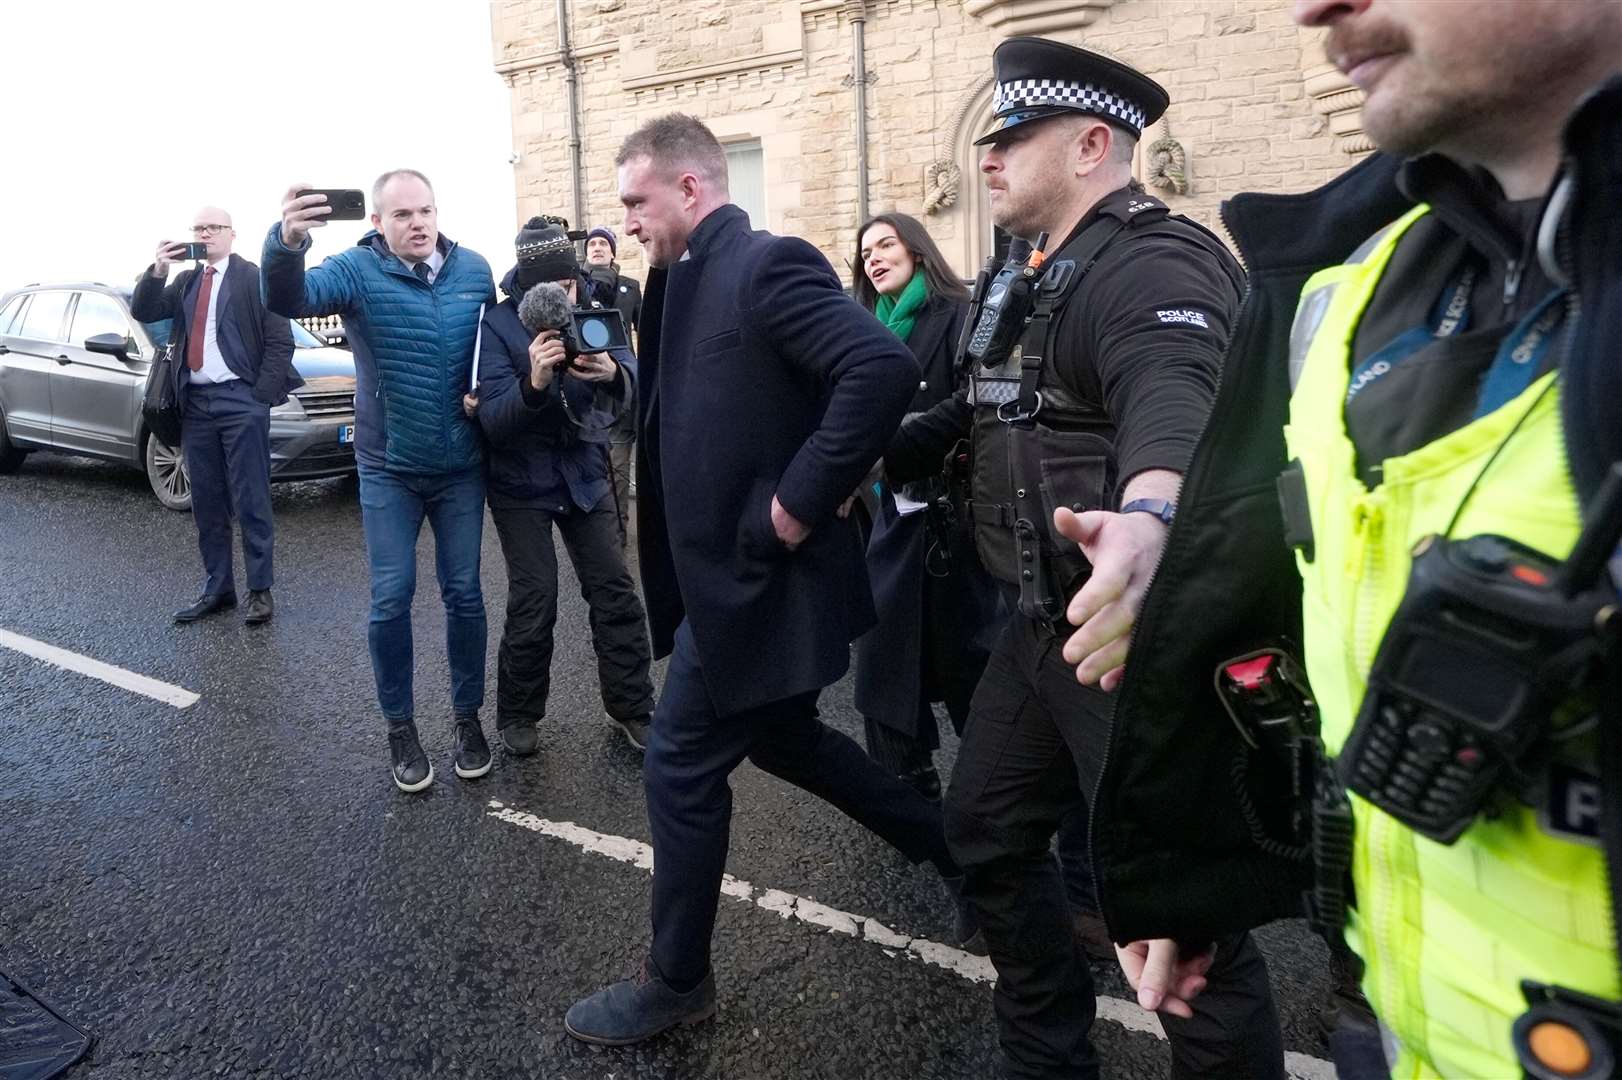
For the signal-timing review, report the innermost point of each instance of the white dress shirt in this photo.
(213, 369)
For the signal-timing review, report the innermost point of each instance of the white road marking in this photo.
(168, 693)
(788, 906)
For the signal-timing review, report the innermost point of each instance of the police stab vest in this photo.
(1038, 444)
(1447, 933)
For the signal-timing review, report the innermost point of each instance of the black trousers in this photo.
(692, 752)
(1034, 744)
(619, 628)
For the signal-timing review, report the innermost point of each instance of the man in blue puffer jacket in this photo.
(411, 302)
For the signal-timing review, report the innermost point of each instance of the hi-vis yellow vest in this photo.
(1447, 933)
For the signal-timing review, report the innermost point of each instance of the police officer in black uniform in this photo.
(1082, 422)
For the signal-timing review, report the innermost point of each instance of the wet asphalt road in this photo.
(236, 889)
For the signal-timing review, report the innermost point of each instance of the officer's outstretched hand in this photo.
(1166, 981)
(1124, 550)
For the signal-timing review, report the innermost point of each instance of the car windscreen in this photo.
(303, 339)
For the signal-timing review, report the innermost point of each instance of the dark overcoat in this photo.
(899, 659)
(759, 377)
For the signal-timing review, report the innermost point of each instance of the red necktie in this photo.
(199, 322)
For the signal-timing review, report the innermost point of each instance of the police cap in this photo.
(1038, 78)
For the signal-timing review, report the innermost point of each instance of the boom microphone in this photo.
(544, 307)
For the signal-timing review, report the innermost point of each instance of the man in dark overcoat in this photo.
(767, 394)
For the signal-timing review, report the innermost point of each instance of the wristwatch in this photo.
(1164, 509)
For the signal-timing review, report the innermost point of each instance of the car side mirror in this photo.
(110, 344)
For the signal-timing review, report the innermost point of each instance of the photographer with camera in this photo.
(1446, 399)
(547, 416)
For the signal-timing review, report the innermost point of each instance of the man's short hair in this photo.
(377, 188)
(1124, 146)
(678, 143)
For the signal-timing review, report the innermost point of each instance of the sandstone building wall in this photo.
(1254, 105)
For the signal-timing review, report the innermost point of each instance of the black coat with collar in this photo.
(962, 606)
(257, 346)
(759, 377)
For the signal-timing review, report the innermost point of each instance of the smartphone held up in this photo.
(348, 204)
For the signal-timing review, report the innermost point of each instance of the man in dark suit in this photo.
(767, 395)
(235, 362)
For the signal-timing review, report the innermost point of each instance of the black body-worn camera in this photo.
(1007, 306)
(1489, 641)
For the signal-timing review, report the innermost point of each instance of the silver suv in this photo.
(73, 367)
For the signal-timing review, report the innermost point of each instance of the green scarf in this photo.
(901, 312)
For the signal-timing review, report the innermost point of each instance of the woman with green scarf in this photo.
(936, 606)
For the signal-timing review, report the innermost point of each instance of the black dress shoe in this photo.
(925, 781)
(637, 1009)
(207, 604)
(260, 607)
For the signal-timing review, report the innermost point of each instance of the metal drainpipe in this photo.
(571, 79)
(857, 12)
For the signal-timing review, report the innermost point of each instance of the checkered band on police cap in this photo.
(1081, 97)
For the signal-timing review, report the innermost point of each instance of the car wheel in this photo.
(11, 457)
(166, 472)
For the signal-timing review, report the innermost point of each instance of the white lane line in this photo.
(788, 906)
(169, 694)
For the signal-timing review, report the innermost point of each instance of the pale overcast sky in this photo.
(121, 119)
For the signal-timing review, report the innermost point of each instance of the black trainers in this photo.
(636, 730)
(637, 1009)
(519, 740)
(471, 755)
(412, 771)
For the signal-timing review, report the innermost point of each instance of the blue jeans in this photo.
(393, 506)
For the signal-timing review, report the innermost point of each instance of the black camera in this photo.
(192, 251)
(576, 235)
(1007, 305)
(594, 329)
(1490, 640)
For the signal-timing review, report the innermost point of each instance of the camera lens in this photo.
(594, 333)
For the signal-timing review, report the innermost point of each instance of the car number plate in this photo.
(346, 434)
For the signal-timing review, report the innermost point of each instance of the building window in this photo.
(746, 176)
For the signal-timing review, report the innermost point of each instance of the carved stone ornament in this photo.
(1341, 105)
(1165, 163)
(1011, 17)
(941, 179)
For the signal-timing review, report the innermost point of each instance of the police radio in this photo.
(1007, 304)
(1489, 640)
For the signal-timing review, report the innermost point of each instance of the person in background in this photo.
(547, 423)
(936, 606)
(612, 289)
(235, 362)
